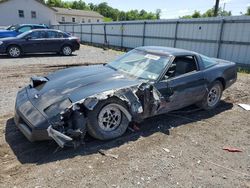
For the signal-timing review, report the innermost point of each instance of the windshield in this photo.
(141, 64)
(12, 27)
(23, 34)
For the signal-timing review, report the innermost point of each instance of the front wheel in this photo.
(67, 50)
(14, 51)
(212, 98)
(106, 121)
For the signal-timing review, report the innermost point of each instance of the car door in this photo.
(54, 41)
(34, 42)
(184, 84)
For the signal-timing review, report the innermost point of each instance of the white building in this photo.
(64, 15)
(25, 12)
(36, 12)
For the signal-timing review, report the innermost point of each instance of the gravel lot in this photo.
(183, 149)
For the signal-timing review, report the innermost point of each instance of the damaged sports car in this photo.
(103, 99)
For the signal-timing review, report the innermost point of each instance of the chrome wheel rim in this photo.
(14, 51)
(214, 95)
(109, 118)
(67, 50)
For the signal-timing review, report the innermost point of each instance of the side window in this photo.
(207, 62)
(24, 29)
(54, 34)
(60, 35)
(181, 65)
(37, 35)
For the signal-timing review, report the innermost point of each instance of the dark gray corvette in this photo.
(103, 99)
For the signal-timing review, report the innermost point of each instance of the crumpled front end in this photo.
(28, 119)
(70, 126)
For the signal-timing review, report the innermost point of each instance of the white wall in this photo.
(9, 13)
(68, 18)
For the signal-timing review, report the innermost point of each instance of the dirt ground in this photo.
(181, 149)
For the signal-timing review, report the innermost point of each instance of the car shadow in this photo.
(43, 55)
(48, 151)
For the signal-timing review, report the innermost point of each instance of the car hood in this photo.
(78, 83)
(8, 38)
(7, 33)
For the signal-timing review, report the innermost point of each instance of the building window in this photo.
(98, 20)
(33, 14)
(21, 13)
(83, 20)
(73, 19)
(89, 20)
(63, 19)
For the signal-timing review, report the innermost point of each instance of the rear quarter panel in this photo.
(224, 70)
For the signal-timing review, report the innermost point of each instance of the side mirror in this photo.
(28, 37)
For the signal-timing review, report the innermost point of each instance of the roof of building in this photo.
(39, 1)
(74, 12)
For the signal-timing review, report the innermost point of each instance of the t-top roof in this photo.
(166, 50)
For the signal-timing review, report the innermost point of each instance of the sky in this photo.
(175, 8)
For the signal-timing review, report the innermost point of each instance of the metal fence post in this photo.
(91, 33)
(65, 28)
(220, 37)
(122, 29)
(175, 34)
(73, 29)
(105, 35)
(143, 34)
(81, 33)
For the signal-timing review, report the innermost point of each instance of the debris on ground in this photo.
(230, 149)
(229, 169)
(103, 152)
(166, 150)
(245, 106)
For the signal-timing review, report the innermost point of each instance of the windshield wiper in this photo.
(111, 67)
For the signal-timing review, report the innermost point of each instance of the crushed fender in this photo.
(142, 101)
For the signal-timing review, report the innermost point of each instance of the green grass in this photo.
(244, 70)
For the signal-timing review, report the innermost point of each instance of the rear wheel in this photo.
(14, 51)
(66, 50)
(106, 121)
(212, 98)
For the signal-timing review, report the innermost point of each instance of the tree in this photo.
(107, 11)
(55, 3)
(208, 13)
(158, 14)
(196, 14)
(248, 11)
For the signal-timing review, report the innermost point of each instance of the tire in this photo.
(67, 50)
(103, 127)
(14, 51)
(213, 96)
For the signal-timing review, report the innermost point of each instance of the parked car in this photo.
(104, 99)
(15, 30)
(40, 41)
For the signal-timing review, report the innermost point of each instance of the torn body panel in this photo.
(142, 102)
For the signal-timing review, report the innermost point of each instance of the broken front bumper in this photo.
(29, 120)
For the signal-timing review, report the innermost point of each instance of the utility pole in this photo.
(216, 7)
